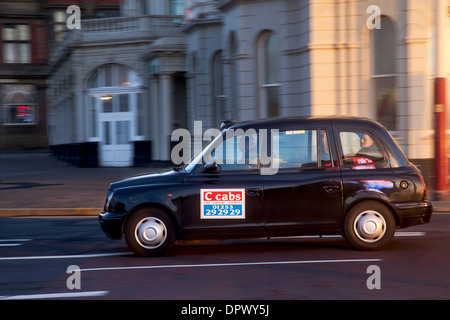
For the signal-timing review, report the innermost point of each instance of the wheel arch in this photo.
(155, 205)
(350, 206)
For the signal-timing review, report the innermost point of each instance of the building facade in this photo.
(23, 55)
(123, 84)
(111, 84)
(375, 59)
(28, 31)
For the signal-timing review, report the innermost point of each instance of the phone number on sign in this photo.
(222, 210)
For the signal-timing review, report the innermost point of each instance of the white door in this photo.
(116, 147)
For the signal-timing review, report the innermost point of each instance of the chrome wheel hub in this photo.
(150, 233)
(369, 226)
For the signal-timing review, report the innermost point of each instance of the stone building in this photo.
(375, 59)
(111, 83)
(123, 84)
(28, 31)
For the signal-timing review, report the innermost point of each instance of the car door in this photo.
(305, 195)
(224, 197)
(366, 170)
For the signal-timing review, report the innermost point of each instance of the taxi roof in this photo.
(310, 120)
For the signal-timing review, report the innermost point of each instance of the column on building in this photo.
(165, 59)
(418, 94)
(166, 114)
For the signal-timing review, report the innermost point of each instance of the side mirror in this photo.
(210, 167)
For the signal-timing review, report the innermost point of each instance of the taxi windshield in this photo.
(205, 146)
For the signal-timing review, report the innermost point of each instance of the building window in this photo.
(18, 104)
(16, 43)
(113, 75)
(269, 74)
(176, 7)
(233, 47)
(114, 90)
(217, 85)
(384, 74)
(59, 25)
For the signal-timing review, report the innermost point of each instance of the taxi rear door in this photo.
(305, 194)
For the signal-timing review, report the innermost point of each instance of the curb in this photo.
(26, 212)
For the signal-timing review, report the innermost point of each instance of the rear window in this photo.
(360, 150)
(303, 149)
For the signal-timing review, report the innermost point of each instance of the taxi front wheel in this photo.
(149, 232)
(369, 225)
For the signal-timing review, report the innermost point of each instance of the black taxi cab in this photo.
(273, 178)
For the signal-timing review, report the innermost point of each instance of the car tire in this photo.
(369, 225)
(149, 232)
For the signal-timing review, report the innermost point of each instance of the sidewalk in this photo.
(38, 184)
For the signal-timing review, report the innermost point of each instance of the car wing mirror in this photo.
(210, 167)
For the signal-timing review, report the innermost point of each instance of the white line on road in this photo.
(63, 295)
(229, 264)
(3, 244)
(73, 256)
(410, 234)
(99, 255)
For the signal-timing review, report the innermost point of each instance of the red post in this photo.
(440, 143)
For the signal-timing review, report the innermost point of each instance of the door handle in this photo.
(330, 189)
(253, 192)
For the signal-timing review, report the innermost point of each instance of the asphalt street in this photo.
(36, 253)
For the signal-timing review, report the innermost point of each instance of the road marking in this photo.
(3, 244)
(99, 255)
(397, 234)
(236, 264)
(73, 256)
(410, 234)
(62, 295)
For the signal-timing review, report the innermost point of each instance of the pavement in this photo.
(37, 184)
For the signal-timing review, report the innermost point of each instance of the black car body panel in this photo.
(312, 198)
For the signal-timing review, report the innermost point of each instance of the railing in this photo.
(117, 28)
(134, 23)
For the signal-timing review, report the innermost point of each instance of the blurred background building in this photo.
(112, 92)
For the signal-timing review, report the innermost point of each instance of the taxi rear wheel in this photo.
(369, 225)
(149, 232)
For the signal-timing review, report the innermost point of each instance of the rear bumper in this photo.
(112, 224)
(413, 213)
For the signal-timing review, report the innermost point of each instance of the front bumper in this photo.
(112, 224)
(413, 213)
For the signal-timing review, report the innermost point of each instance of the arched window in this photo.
(269, 74)
(113, 75)
(114, 88)
(18, 104)
(384, 73)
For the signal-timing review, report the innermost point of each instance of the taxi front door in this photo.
(225, 202)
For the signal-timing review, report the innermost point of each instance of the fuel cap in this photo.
(404, 184)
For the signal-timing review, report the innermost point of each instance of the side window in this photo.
(303, 149)
(237, 152)
(359, 148)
